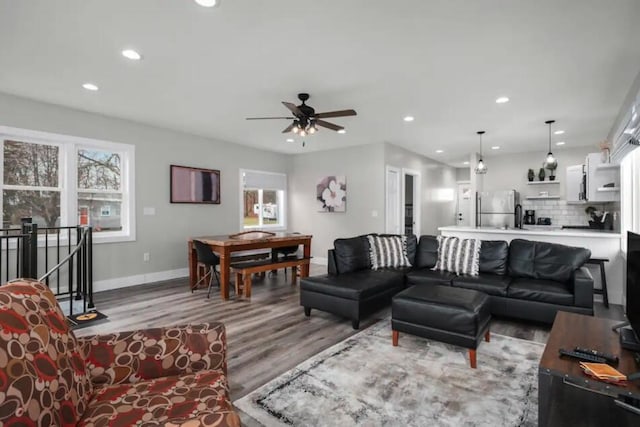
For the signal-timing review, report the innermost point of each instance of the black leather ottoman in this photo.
(452, 315)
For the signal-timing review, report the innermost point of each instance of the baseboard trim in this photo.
(138, 279)
(320, 260)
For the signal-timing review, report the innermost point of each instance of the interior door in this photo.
(463, 204)
(393, 199)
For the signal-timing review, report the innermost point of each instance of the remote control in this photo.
(609, 357)
(582, 356)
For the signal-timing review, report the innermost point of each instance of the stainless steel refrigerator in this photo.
(496, 208)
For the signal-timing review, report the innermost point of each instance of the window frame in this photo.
(68, 176)
(280, 194)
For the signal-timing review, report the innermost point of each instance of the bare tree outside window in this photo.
(99, 170)
(31, 188)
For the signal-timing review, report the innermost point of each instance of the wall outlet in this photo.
(145, 256)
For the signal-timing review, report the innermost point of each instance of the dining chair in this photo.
(207, 258)
(285, 251)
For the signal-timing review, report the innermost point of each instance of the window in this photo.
(64, 181)
(99, 188)
(263, 199)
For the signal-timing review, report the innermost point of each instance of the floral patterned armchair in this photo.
(161, 376)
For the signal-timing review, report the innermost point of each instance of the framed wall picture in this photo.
(331, 193)
(195, 185)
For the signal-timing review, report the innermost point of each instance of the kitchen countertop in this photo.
(536, 230)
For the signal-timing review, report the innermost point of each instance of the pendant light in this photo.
(550, 162)
(481, 168)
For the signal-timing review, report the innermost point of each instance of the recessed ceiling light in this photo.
(289, 139)
(208, 3)
(342, 131)
(495, 147)
(560, 143)
(558, 132)
(439, 151)
(131, 54)
(409, 119)
(502, 100)
(90, 86)
(465, 163)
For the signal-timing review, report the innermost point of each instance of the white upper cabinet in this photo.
(603, 179)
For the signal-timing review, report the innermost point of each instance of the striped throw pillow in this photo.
(458, 256)
(468, 257)
(447, 248)
(388, 251)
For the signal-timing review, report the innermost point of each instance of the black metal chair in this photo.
(209, 260)
(285, 251)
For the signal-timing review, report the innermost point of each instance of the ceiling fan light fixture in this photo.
(312, 130)
(303, 132)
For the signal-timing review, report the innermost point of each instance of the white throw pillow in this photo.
(459, 256)
(388, 251)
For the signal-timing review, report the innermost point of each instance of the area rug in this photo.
(365, 381)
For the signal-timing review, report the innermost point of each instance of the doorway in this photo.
(403, 202)
(392, 200)
(463, 203)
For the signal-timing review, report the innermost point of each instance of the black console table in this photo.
(566, 396)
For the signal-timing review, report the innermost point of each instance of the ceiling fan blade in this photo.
(269, 118)
(293, 108)
(288, 128)
(341, 113)
(328, 125)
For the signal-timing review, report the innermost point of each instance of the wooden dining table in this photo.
(225, 245)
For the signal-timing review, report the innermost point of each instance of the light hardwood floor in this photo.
(267, 335)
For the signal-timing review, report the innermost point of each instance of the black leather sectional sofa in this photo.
(524, 279)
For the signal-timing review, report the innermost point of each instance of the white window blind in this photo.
(264, 180)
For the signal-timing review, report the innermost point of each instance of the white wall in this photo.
(463, 174)
(363, 167)
(509, 171)
(164, 235)
(438, 186)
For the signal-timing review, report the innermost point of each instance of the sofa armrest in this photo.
(128, 357)
(582, 288)
(332, 267)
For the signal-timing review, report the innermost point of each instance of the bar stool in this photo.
(603, 279)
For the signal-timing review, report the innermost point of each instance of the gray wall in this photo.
(164, 235)
(363, 167)
(438, 186)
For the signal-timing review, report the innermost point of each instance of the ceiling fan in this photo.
(305, 119)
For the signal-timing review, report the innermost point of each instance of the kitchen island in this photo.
(603, 244)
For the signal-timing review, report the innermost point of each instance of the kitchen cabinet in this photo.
(603, 179)
(574, 184)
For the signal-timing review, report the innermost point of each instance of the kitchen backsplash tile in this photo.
(562, 213)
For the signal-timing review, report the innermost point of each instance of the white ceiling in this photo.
(444, 62)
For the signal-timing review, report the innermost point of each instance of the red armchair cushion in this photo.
(199, 399)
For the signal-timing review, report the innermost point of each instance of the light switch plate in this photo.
(149, 211)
